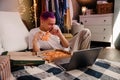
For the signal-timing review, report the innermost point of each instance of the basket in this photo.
(104, 8)
(5, 71)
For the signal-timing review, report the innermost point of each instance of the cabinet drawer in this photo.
(100, 29)
(105, 19)
(100, 26)
(96, 21)
(101, 37)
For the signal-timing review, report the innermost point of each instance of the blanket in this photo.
(100, 70)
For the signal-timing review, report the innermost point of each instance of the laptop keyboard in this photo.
(65, 65)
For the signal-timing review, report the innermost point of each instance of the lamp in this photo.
(87, 4)
(84, 10)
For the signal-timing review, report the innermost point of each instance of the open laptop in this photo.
(79, 59)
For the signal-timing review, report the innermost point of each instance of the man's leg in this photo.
(81, 40)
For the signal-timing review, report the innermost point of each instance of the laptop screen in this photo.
(85, 57)
(80, 59)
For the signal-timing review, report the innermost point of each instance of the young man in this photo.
(49, 36)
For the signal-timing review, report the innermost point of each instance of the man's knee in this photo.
(86, 30)
(85, 33)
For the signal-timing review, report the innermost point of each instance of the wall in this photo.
(76, 9)
(116, 26)
(8, 5)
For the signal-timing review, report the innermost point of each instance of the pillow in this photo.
(76, 27)
(13, 31)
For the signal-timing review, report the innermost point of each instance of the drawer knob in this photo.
(104, 29)
(85, 21)
(104, 20)
(104, 37)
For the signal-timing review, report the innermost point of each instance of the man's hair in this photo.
(46, 15)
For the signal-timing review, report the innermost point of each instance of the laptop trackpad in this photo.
(66, 64)
(62, 63)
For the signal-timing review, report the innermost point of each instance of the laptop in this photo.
(79, 59)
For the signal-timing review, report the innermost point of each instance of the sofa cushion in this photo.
(13, 32)
(76, 27)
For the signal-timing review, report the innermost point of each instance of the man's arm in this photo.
(57, 31)
(36, 47)
(64, 41)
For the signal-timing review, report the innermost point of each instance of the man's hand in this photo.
(56, 31)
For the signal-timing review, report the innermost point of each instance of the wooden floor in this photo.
(110, 54)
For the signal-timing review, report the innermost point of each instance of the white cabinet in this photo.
(100, 26)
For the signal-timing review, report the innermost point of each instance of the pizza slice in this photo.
(46, 36)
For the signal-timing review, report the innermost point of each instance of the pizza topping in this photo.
(46, 36)
(53, 55)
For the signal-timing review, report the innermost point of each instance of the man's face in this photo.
(48, 24)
